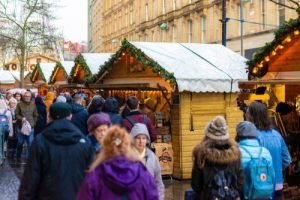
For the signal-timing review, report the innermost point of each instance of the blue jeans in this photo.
(21, 139)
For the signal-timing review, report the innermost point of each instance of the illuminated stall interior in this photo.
(274, 79)
(188, 89)
(40, 76)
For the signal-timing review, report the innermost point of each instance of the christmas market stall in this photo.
(40, 76)
(274, 79)
(7, 81)
(61, 73)
(183, 85)
(27, 82)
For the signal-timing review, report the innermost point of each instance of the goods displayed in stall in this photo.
(274, 78)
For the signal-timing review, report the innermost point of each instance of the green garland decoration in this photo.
(140, 56)
(58, 65)
(38, 67)
(281, 33)
(81, 61)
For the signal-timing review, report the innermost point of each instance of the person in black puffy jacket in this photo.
(58, 160)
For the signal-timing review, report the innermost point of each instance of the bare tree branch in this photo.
(28, 20)
(284, 5)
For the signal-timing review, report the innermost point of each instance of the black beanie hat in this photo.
(60, 110)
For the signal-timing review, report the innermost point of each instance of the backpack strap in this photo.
(131, 121)
(248, 152)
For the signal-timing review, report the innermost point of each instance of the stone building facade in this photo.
(182, 21)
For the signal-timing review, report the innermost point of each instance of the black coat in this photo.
(210, 156)
(80, 117)
(59, 158)
(42, 118)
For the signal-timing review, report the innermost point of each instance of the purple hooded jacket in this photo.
(119, 178)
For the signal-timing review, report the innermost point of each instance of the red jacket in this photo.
(138, 117)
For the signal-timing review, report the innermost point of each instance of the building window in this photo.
(203, 29)
(262, 11)
(147, 12)
(126, 17)
(164, 7)
(174, 4)
(153, 36)
(131, 14)
(190, 31)
(190, 1)
(164, 35)
(281, 12)
(174, 32)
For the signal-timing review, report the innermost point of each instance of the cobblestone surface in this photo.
(9, 183)
(11, 173)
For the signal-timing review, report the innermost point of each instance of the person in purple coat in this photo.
(118, 172)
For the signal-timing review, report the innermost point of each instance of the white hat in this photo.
(139, 129)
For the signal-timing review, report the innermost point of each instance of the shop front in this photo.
(60, 75)
(40, 77)
(183, 86)
(274, 79)
(86, 65)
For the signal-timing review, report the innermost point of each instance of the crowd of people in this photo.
(102, 150)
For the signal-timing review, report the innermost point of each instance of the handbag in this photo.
(26, 128)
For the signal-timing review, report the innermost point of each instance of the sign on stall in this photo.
(164, 153)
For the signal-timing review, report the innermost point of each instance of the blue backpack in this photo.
(259, 177)
(4, 124)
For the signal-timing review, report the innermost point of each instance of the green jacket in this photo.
(27, 110)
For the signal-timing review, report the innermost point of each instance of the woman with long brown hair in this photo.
(257, 113)
(117, 172)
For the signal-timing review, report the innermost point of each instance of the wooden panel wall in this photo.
(195, 111)
(288, 58)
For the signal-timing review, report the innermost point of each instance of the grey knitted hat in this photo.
(61, 98)
(139, 129)
(246, 129)
(217, 129)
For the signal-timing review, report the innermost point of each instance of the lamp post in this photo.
(224, 21)
(241, 27)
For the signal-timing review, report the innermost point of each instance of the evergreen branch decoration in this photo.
(38, 68)
(79, 60)
(285, 30)
(140, 56)
(57, 66)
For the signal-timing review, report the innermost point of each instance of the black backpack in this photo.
(222, 185)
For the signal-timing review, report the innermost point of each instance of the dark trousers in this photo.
(24, 138)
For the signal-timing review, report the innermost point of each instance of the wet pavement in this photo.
(11, 173)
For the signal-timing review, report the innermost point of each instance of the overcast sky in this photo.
(72, 19)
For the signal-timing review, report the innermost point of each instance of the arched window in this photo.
(190, 31)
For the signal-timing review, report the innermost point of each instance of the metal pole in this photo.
(242, 27)
(224, 21)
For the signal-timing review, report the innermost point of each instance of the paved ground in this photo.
(11, 172)
(10, 180)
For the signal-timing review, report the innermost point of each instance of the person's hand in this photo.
(23, 119)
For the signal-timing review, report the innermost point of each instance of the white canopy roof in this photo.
(47, 69)
(6, 77)
(95, 60)
(198, 67)
(16, 74)
(67, 65)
